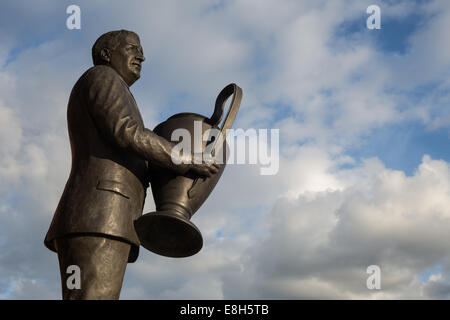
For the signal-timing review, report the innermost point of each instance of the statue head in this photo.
(122, 51)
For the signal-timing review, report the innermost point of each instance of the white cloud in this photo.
(322, 243)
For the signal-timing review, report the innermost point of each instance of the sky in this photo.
(364, 126)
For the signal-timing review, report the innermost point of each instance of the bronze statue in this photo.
(93, 226)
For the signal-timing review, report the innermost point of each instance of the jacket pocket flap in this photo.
(113, 186)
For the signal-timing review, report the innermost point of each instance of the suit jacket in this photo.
(111, 149)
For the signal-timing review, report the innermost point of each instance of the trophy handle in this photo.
(230, 90)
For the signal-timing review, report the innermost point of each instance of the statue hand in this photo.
(203, 167)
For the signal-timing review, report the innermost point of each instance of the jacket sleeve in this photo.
(109, 104)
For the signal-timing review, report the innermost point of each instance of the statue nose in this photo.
(141, 58)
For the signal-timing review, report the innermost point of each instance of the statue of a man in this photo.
(92, 227)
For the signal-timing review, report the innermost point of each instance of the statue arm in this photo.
(109, 105)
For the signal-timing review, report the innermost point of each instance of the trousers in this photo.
(100, 262)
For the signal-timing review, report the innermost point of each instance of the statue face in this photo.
(127, 58)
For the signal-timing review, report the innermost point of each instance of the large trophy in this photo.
(168, 231)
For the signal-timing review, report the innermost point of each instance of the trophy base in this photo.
(169, 234)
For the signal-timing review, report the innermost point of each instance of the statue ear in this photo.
(106, 55)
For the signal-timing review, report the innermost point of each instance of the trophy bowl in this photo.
(168, 231)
